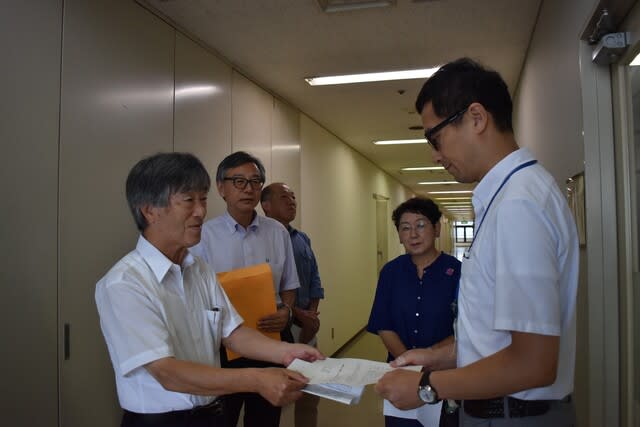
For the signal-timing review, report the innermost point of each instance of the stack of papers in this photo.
(342, 380)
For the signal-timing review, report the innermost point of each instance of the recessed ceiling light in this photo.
(424, 168)
(372, 77)
(451, 192)
(437, 182)
(400, 141)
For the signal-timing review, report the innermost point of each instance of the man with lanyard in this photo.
(515, 330)
(242, 238)
(163, 313)
(279, 202)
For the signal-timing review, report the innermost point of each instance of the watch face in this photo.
(427, 394)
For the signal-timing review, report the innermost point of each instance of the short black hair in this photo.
(236, 159)
(417, 205)
(155, 178)
(459, 83)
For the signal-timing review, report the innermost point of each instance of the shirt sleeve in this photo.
(289, 278)
(380, 317)
(527, 294)
(136, 331)
(315, 286)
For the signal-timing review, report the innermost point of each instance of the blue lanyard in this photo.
(454, 305)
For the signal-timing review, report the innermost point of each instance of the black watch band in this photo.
(426, 391)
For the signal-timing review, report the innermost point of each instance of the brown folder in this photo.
(250, 290)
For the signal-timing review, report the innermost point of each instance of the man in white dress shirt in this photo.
(517, 301)
(164, 315)
(242, 238)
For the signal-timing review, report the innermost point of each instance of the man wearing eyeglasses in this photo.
(241, 238)
(512, 363)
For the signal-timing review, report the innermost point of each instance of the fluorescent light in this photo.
(636, 61)
(437, 182)
(455, 203)
(452, 192)
(330, 7)
(453, 198)
(424, 168)
(400, 141)
(372, 77)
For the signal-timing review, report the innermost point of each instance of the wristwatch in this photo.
(426, 392)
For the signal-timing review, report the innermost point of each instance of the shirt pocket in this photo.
(214, 319)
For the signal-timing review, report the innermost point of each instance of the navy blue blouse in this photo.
(418, 310)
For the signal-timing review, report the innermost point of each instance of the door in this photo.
(626, 103)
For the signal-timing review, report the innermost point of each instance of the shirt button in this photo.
(415, 331)
(417, 314)
(419, 297)
(414, 346)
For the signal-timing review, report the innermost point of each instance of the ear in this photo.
(150, 213)
(479, 116)
(437, 229)
(266, 206)
(220, 187)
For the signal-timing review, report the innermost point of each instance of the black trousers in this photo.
(258, 412)
(205, 417)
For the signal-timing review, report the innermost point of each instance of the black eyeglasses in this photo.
(241, 183)
(429, 135)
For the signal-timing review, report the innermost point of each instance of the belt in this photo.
(518, 408)
(212, 410)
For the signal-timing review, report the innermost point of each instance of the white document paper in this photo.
(342, 380)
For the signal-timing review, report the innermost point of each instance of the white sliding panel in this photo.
(285, 150)
(251, 120)
(117, 106)
(30, 38)
(203, 110)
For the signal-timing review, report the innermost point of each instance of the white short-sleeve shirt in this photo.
(522, 270)
(149, 309)
(226, 245)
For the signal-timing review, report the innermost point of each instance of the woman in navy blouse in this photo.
(413, 302)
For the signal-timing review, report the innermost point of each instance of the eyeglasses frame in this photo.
(429, 134)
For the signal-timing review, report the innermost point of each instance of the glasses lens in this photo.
(240, 183)
(256, 184)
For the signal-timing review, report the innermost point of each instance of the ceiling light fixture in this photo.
(437, 182)
(453, 198)
(424, 168)
(372, 77)
(400, 141)
(452, 192)
(331, 6)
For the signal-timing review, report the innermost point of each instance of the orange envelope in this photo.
(250, 290)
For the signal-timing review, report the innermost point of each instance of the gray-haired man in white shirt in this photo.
(164, 315)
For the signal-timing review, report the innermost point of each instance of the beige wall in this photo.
(548, 109)
(339, 215)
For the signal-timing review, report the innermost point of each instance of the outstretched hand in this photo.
(400, 387)
(301, 351)
(280, 386)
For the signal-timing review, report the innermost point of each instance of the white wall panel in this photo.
(251, 120)
(202, 110)
(117, 106)
(339, 214)
(30, 40)
(285, 150)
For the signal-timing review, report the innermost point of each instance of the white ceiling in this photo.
(277, 43)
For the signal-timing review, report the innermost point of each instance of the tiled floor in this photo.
(368, 413)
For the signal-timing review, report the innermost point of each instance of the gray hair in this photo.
(154, 179)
